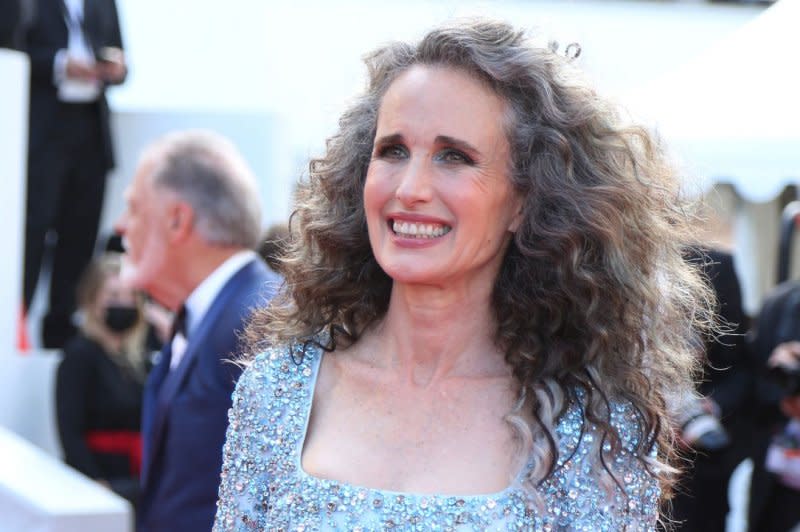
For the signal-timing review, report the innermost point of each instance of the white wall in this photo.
(13, 157)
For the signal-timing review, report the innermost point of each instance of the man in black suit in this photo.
(10, 23)
(701, 503)
(191, 222)
(75, 48)
(774, 505)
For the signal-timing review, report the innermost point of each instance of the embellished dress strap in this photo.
(266, 425)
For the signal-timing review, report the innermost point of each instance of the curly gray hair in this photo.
(593, 292)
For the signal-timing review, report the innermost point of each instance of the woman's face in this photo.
(113, 292)
(439, 204)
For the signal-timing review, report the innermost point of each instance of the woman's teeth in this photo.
(419, 230)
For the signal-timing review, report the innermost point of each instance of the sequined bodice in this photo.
(265, 488)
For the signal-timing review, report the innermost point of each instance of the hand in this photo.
(786, 354)
(77, 69)
(111, 65)
(691, 434)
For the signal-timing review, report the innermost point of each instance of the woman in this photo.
(100, 381)
(486, 310)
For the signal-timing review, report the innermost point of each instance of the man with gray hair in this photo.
(191, 221)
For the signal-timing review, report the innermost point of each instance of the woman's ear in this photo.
(516, 218)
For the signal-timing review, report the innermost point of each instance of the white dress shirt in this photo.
(74, 90)
(200, 300)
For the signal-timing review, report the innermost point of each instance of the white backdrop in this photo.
(732, 112)
(731, 115)
(13, 156)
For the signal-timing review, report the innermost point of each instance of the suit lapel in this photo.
(56, 12)
(170, 383)
(150, 410)
(89, 25)
(88, 21)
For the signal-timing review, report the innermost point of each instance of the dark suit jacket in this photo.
(727, 375)
(777, 322)
(185, 412)
(9, 22)
(94, 393)
(48, 33)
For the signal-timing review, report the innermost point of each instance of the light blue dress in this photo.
(265, 488)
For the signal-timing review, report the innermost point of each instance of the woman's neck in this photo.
(431, 333)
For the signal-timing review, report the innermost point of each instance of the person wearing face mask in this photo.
(99, 382)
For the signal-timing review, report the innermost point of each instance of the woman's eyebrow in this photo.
(456, 143)
(393, 138)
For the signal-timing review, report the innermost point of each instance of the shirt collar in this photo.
(75, 8)
(201, 298)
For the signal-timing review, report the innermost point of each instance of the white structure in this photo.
(27, 393)
(731, 115)
(732, 111)
(38, 493)
(13, 162)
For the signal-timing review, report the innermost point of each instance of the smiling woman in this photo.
(486, 310)
(440, 173)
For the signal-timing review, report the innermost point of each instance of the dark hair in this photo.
(593, 292)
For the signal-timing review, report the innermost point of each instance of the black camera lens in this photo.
(788, 379)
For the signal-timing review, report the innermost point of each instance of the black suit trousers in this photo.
(66, 185)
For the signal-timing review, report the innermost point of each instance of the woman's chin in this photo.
(414, 276)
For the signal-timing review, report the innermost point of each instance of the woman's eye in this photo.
(391, 152)
(454, 156)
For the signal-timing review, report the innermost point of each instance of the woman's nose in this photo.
(415, 184)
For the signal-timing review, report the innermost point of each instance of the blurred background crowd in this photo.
(108, 78)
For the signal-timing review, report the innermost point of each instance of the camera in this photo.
(787, 378)
(701, 429)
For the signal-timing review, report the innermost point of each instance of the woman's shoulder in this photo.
(279, 365)
(576, 426)
(266, 428)
(81, 349)
(597, 482)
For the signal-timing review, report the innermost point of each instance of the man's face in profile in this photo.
(144, 227)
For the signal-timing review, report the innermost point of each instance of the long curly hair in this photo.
(593, 292)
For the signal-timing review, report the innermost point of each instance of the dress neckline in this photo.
(315, 364)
